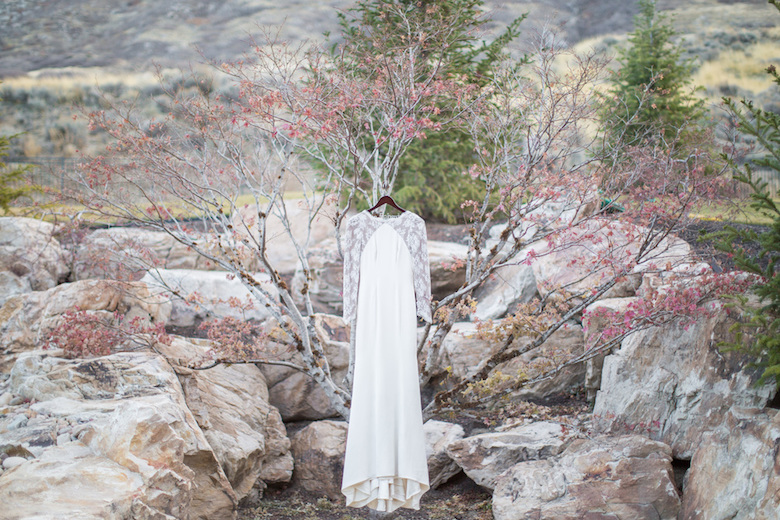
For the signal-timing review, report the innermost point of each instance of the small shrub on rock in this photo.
(83, 334)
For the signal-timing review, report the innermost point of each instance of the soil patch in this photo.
(458, 499)
(705, 249)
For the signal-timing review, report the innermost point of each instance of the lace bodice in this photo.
(411, 228)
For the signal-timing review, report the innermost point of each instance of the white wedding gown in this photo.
(385, 464)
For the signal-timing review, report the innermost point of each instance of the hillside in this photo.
(129, 34)
(54, 53)
(41, 34)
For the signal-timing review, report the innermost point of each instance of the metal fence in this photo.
(48, 171)
(56, 172)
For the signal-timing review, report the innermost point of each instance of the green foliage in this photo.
(10, 179)
(763, 322)
(650, 93)
(431, 180)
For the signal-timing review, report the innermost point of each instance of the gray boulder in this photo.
(486, 456)
(673, 384)
(626, 478)
(31, 258)
(318, 450)
(438, 436)
(735, 471)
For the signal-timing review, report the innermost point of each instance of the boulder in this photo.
(735, 471)
(24, 438)
(486, 456)
(128, 410)
(564, 344)
(310, 221)
(672, 383)
(12, 462)
(464, 349)
(573, 266)
(30, 257)
(439, 435)
(627, 477)
(318, 450)
(26, 320)
(196, 296)
(566, 208)
(504, 290)
(495, 232)
(230, 404)
(126, 253)
(11, 285)
(680, 275)
(326, 275)
(549, 214)
(594, 324)
(297, 396)
(325, 285)
(447, 267)
(54, 485)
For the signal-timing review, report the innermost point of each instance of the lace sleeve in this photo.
(351, 272)
(422, 270)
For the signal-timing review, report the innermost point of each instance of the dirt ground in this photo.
(458, 499)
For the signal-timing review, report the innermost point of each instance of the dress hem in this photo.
(385, 493)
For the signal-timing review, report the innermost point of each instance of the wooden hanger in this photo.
(387, 199)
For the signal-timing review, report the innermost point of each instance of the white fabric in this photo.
(385, 465)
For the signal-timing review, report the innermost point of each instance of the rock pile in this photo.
(151, 436)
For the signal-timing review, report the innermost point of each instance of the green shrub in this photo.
(762, 322)
(649, 97)
(11, 179)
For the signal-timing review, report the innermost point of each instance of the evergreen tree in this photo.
(431, 181)
(650, 92)
(10, 188)
(763, 323)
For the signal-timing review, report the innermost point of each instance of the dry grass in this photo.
(741, 213)
(693, 17)
(745, 69)
(701, 24)
(69, 78)
(55, 212)
(66, 80)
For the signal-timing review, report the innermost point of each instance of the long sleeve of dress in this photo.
(351, 272)
(418, 243)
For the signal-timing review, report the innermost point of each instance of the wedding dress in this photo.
(386, 285)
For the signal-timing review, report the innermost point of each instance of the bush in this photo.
(10, 179)
(83, 334)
